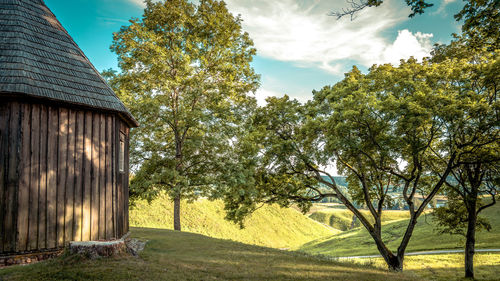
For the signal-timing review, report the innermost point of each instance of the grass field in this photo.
(341, 219)
(425, 237)
(270, 226)
(173, 255)
(445, 266)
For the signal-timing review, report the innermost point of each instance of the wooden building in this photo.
(63, 138)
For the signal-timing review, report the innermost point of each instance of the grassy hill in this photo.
(269, 226)
(342, 219)
(425, 237)
(171, 255)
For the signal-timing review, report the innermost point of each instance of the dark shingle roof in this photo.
(39, 58)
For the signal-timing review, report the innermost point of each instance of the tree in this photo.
(474, 189)
(477, 132)
(481, 24)
(382, 130)
(480, 35)
(186, 76)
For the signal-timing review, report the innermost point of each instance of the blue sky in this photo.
(299, 47)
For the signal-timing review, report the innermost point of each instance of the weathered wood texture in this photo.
(59, 177)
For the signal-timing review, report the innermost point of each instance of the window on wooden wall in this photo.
(121, 157)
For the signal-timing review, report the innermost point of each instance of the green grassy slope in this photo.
(445, 266)
(269, 226)
(342, 218)
(171, 255)
(425, 237)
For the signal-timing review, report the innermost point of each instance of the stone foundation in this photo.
(28, 258)
(89, 249)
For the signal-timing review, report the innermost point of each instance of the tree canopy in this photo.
(387, 131)
(185, 75)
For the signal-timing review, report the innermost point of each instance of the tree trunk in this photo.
(395, 263)
(177, 212)
(470, 242)
(178, 168)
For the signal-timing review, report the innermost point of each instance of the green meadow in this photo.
(269, 226)
(426, 236)
(211, 248)
(343, 219)
(171, 255)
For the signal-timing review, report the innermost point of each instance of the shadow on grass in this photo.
(485, 272)
(171, 255)
(225, 259)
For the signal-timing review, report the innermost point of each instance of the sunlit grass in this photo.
(425, 237)
(269, 226)
(171, 255)
(445, 266)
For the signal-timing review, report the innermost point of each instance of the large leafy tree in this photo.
(186, 75)
(476, 49)
(474, 188)
(473, 183)
(383, 130)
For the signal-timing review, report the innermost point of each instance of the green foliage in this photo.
(453, 217)
(481, 23)
(268, 162)
(476, 132)
(269, 226)
(401, 129)
(185, 76)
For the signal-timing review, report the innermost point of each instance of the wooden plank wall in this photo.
(10, 152)
(59, 177)
(12, 186)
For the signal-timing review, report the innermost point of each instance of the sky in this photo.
(300, 48)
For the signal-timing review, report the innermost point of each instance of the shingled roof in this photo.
(38, 58)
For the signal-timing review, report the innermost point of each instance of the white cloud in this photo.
(406, 45)
(301, 32)
(263, 93)
(139, 3)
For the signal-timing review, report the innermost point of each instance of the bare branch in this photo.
(352, 11)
